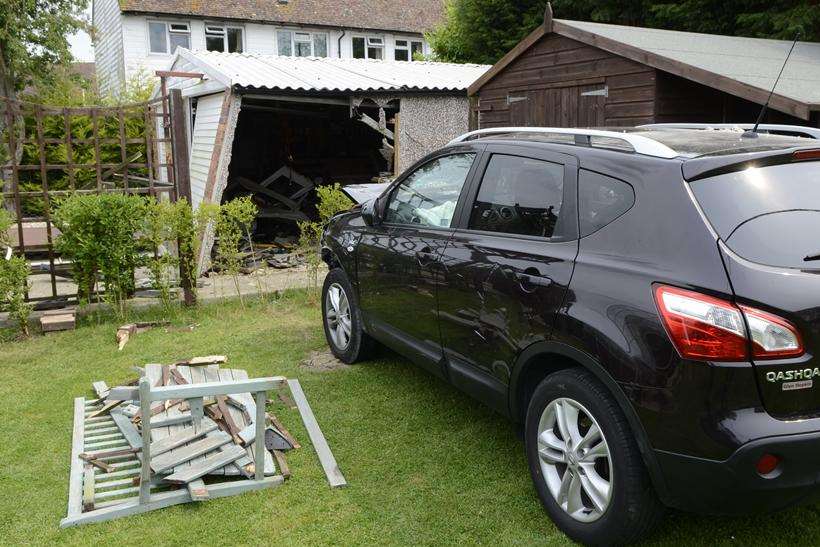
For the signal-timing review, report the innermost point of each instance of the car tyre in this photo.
(342, 319)
(572, 403)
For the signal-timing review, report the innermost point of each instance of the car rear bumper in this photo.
(733, 486)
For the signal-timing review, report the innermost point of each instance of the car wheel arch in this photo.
(542, 359)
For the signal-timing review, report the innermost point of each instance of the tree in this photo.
(482, 31)
(34, 38)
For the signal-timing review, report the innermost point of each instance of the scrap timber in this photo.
(173, 438)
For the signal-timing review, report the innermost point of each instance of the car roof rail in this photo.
(639, 143)
(801, 130)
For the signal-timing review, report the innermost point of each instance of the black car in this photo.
(646, 303)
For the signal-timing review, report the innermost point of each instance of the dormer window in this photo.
(370, 47)
(166, 37)
(223, 38)
(301, 44)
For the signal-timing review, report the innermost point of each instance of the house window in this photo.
(406, 50)
(166, 37)
(301, 44)
(221, 38)
(368, 48)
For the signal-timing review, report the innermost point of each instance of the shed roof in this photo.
(330, 75)
(745, 67)
(415, 16)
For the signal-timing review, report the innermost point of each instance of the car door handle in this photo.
(531, 279)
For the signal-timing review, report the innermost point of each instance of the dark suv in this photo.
(646, 303)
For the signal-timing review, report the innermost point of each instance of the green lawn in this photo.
(425, 463)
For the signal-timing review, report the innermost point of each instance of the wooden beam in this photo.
(331, 468)
(88, 488)
(75, 503)
(216, 460)
(171, 459)
(178, 74)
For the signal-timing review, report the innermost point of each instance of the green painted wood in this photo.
(75, 477)
(226, 455)
(182, 437)
(331, 468)
(160, 500)
(164, 462)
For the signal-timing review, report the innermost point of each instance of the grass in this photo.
(425, 463)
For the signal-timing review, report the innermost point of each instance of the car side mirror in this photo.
(370, 212)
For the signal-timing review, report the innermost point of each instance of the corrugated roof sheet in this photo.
(402, 15)
(752, 61)
(313, 74)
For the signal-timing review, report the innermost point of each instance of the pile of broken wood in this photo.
(191, 439)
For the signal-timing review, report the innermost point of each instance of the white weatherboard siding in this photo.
(122, 48)
(208, 111)
(108, 47)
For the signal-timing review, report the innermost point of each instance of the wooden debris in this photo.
(104, 410)
(102, 454)
(88, 488)
(331, 468)
(101, 389)
(198, 490)
(281, 462)
(201, 447)
(198, 361)
(285, 433)
(180, 438)
(125, 332)
(214, 461)
(58, 322)
(102, 465)
(233, 429)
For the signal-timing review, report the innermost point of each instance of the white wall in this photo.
(108, 45)
(259, 38)
(208, 111)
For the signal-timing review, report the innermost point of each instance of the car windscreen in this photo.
(769, 215)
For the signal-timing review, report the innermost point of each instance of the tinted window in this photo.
(519, 196)
(770, 215)
(429, 195)
(601, 200)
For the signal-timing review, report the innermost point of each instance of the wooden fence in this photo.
(48, 152)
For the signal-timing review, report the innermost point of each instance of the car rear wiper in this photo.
(811, 257)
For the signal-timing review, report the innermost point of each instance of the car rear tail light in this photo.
(712, 329)
(772, 337)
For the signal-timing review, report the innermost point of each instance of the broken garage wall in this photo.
(427, 123)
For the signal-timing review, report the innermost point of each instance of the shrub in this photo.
(13, 279)
(100, 235)
(331, 201)
(235, 218)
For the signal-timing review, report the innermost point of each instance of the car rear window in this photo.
(769, 215)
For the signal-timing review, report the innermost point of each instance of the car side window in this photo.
(428, 196)
(601, 200)
(520, 196)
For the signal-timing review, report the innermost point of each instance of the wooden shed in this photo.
(581, 74)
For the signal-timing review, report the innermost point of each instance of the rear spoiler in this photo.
(711, 166)
(361, 193)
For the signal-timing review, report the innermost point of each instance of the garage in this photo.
(277, 127)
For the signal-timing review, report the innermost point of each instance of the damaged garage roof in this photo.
(329, 75)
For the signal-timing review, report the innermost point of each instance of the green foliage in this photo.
(34, 37)
(13, 278)
(233, 223)
(482, 31)
(331, 201)
(159, 233)
(99, 236)
(189, 229)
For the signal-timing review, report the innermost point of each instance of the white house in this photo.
(134, 36)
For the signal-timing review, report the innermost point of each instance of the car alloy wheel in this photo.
(337, 316)
(575, 460)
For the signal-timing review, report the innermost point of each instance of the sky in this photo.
(80, 42)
